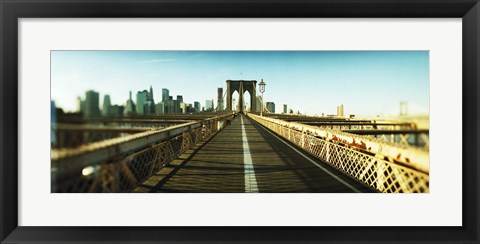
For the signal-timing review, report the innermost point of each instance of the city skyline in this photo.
(313, 82)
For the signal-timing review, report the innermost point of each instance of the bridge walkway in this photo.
(246, 157)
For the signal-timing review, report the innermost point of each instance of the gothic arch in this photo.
(241, 86)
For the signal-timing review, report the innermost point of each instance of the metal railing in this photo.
(121, 164)
(377, 164)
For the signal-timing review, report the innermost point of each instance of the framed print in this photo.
(235, 121)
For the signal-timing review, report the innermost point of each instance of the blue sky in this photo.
(367, 83)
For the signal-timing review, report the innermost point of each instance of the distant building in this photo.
(209, 105)
(340, 110)
(149, 107)
(176, 107)
(106, 105)
(271, 107)
(142, 97)
(91, 104)
(170, 106)
(197, 106)
(183, 108)
(145, 102)
(165, 95)
(189, 108)
(160, 108)
(220, 106)
(130, 108)
(116, 110)
(285, 108)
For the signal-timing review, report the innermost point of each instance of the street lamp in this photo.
(261, 85)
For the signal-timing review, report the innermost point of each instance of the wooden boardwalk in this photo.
(224, 164)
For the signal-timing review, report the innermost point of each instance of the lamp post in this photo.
(262, 90)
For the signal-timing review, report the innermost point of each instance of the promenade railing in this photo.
(384, 166)
(121, 164)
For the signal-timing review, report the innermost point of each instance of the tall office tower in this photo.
(106, 105)
(165, 94)
(180, 98)
(340, 110)
(129, 106)
(189, 108)
(176, 107)
(179, 102)
(209, 105)
(160, 108)
(197, 106)
(285, 108)
(183, 108)
(258, 104)
(220, 99)
(170, 106)
(150, 94)
(141, 100)
(149, 108)
(271, 107)
(91, 104)
(149, 105)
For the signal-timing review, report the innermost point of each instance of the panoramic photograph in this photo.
(139, 121)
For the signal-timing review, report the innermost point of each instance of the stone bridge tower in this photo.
(241, 86)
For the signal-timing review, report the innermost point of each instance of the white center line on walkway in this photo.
(313, 162)
(250, 180)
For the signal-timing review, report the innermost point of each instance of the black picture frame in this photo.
(12, 10)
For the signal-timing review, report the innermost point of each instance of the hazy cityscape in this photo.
(143, 104)
(240, 121)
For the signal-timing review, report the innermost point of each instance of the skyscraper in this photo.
(150, 94)
(141, 100)
(160, 108)
(220, 99)
(129, 106)
(149, 106)
(197, 106)
(170, 105)
(209, 105)
(340, 110)
(183, 108)
(165, 94)
(91, 104)
(285, 108)
(106, 105)
(271, 107)
(189, 108)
